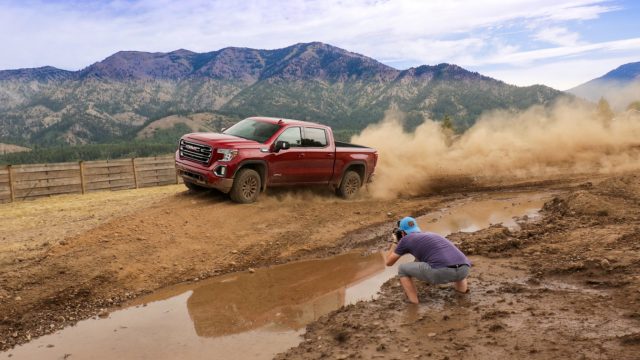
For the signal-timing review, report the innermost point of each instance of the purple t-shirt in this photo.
(431, 248)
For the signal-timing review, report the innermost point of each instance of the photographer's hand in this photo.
(391, 256)
(394, 242)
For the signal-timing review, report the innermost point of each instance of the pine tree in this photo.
(605, 114)
(447, 123)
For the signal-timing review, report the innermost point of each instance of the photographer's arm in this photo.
(392, 257)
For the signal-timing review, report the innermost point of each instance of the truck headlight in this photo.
(227, 154)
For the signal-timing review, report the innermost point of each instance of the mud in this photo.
(560, 285)
(481, 211)
(67, 259)
(269, 305)
(252, 314)
(563, 286)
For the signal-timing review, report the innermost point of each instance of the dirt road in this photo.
(66, 258)
(568, 279)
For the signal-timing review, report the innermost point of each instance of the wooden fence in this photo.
(20, 182)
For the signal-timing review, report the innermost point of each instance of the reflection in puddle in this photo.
(254, 316)
(288, 296)
(472, 214)
(236, 316)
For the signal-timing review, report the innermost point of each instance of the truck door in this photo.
(285, 166)
(319, 155)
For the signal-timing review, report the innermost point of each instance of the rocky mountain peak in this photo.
(45, 73)
(624, 73)
(182, 52)
(136, 65)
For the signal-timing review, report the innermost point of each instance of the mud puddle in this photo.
(235, 316)
(473, 214)
(255, 315)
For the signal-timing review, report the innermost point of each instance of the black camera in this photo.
(397, 232)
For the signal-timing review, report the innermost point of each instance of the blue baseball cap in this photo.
(409, 225)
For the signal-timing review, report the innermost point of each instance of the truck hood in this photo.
(222, 140)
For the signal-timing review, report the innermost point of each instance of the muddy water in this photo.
(254, 315)
(236, 316)
(472, 214)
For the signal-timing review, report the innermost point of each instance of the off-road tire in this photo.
(350, 185)
(194, 187)
(246, 186)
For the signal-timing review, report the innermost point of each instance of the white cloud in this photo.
(526, 57)
(74, 35)
(580, 12)
(427, 51)
(558, 36)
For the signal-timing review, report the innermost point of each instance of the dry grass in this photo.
(29, 223)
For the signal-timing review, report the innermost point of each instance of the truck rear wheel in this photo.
(350, 185)
(246, 186)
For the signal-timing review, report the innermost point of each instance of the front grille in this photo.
(195, 152)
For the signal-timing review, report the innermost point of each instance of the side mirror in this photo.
(223, 129)
(281, 145)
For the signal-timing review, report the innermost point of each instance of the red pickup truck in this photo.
(258, 152)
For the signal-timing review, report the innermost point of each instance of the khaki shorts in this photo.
(424, 272)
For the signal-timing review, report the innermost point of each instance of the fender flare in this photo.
(350, 164)
(263, 163)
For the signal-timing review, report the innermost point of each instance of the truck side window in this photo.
(292, 136)
(314, 137)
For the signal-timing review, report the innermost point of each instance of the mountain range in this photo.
(126, 94)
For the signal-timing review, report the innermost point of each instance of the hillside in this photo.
(116, 98)
(620, 86)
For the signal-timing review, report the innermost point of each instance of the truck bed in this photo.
(348, 145)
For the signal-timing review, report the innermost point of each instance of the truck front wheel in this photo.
(350, 185)
(246, 186)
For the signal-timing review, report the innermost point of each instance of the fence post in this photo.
(135, 175)
(12, 190)
(82, 183)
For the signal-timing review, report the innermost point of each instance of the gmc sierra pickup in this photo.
(258, 152)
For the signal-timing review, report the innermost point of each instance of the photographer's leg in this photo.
(409, 271)
(461, 286)
(409, 289)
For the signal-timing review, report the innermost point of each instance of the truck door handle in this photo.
(330, 154)
(300, 155)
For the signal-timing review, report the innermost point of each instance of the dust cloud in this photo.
(539, 143)
(618, 95)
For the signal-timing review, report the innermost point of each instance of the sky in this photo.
(523, 42)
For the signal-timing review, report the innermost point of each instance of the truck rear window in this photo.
(255, 130)
(314, 137)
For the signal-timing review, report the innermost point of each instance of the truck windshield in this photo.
(255, 130)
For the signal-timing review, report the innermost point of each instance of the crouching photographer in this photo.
(438, 260)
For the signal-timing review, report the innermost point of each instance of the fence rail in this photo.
(21, 182)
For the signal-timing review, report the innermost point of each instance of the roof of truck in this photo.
(275, 120)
